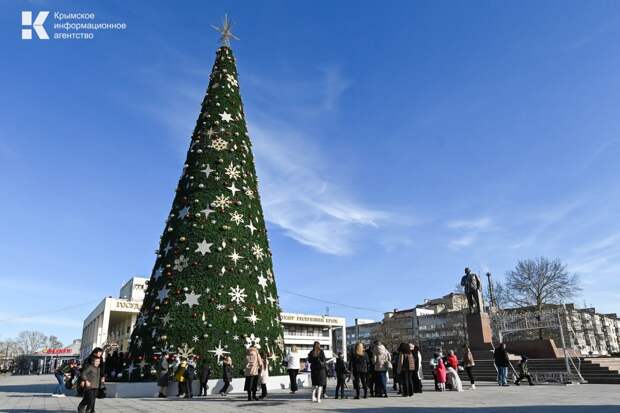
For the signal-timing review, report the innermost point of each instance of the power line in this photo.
(331, 302)
(48, 311)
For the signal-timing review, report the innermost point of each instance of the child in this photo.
(341, 374)
(440, 373)
(90, 382)
(524, 372)
(264, 375)
(227, 372)
(180, 376)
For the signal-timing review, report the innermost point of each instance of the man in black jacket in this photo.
(502, 362)
(205, 372)
(90, 380)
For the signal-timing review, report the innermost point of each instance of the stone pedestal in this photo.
(479, 332)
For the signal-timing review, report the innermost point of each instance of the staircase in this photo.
(599, 371)
(602, 370)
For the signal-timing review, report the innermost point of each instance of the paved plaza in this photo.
(32, 394)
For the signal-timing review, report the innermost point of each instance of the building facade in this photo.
(111, 323)
(112, 320)
(302, 330)
(46, 360)
(585, 331)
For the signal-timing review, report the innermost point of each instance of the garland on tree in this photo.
(212, 291)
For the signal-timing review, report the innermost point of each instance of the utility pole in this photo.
(492, 302)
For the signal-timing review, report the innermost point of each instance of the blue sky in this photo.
(394, 145)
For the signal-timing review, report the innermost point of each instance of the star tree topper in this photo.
(225, 31)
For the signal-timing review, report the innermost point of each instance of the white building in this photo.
(302, 330)
(112, 322)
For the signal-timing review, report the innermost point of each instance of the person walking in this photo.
(253, 366)
(418, 375)
(382, 364)
(406, 367)
(318, 372)
(163, 374)
(264, 375)
(90, 380)
(469, 363)
(359, 368)
(292, 367)
(62, 373)
(341, 375)
(204, 373)
(502, 362)
(96, 353)
(227, 374)
(524, 372)
(440, 373)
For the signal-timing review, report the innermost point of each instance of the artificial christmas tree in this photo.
(212, 291)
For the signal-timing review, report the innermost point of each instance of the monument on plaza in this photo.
(212, 291)
(479, 334)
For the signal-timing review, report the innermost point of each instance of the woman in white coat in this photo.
(264, 375)
(292, 366)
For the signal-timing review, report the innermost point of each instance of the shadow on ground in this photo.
(35, 411)
(506, 409)
(30, 388)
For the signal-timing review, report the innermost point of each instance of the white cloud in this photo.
(298, 197)
(482, 223)
(464, 241)
(335, 85)
(472, 228)
(31, 322)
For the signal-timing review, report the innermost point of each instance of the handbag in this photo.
(101, 392)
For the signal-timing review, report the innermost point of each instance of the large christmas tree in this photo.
(212, 291)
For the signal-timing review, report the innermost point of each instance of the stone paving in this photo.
(32, 394)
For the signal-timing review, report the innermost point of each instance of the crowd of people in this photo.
(368, 368)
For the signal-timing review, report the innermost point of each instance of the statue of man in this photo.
(473, 288)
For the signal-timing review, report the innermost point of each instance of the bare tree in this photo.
(53, 342)
(500, 295)
(31, 341)
(384, 334)
(9, 351)
(536, 282)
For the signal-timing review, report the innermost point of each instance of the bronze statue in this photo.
(473, 291)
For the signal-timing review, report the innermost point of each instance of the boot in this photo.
(357, 393)
(365, 393)
(318, 395)
(249, 396)
(314, 391)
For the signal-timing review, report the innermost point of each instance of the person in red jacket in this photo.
(453, 361)
(440, 371)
